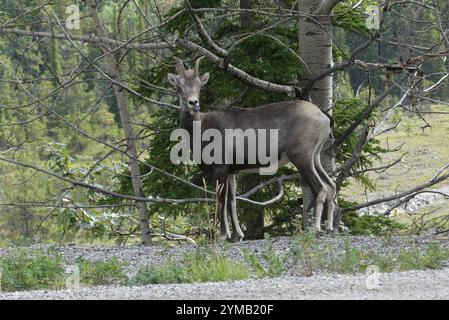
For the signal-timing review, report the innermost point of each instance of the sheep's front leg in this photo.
(221, 207)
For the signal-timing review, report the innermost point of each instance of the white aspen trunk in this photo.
(113, 70)
(315, 48)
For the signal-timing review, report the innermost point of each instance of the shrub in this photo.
(434, 257)
(269, 264)
(377, 225)
(171, 272)
(308, 257)
(202, 265)
(102, 272)
(306, 254)
(25, 270)
(207, 265)
(355, 260)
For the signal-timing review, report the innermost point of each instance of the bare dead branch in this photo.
(435, 180)
(203, 32)
(367, 112)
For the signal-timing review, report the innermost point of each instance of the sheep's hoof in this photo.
(224, 237)
(236, 238)
(318, 232)
(330, 229)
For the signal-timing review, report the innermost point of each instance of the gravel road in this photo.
(429, 284)
(433, 284)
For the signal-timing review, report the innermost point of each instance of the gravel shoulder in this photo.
(431, 284)
(428, 284)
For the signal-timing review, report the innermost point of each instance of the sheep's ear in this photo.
(173, 79)
(205, 78)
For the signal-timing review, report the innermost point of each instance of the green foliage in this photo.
(349, 261)
(356, 260)
(202, 265)
(183, 20)
(26, 269)
(306, 256)
(102, 272)
(309, 256)
(345, 112)
(22, 269)
(371, 224)
(85, 223)
(170, 272)
(349, 19)
(205, 266)
(434, 257)
(269, 263)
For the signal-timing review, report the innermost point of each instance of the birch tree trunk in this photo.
(113, 69)
(315, 48)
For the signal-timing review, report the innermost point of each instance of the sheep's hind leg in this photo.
(305, 165)
(329, 205)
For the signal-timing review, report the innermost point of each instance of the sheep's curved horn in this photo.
(197, 65)
(180, 68)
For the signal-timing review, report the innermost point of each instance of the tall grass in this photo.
(202, 265)
(26, 269)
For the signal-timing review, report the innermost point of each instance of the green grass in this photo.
(269, 263)
(433, 257)
(202, 265)
(102, 272)
(378, 225)
(309, 257)
(25, 269)
(427, 151)
(306, 257)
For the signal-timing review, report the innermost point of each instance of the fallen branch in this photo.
(435, 180)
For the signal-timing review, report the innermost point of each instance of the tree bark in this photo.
(315, 48)
(113, 69)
